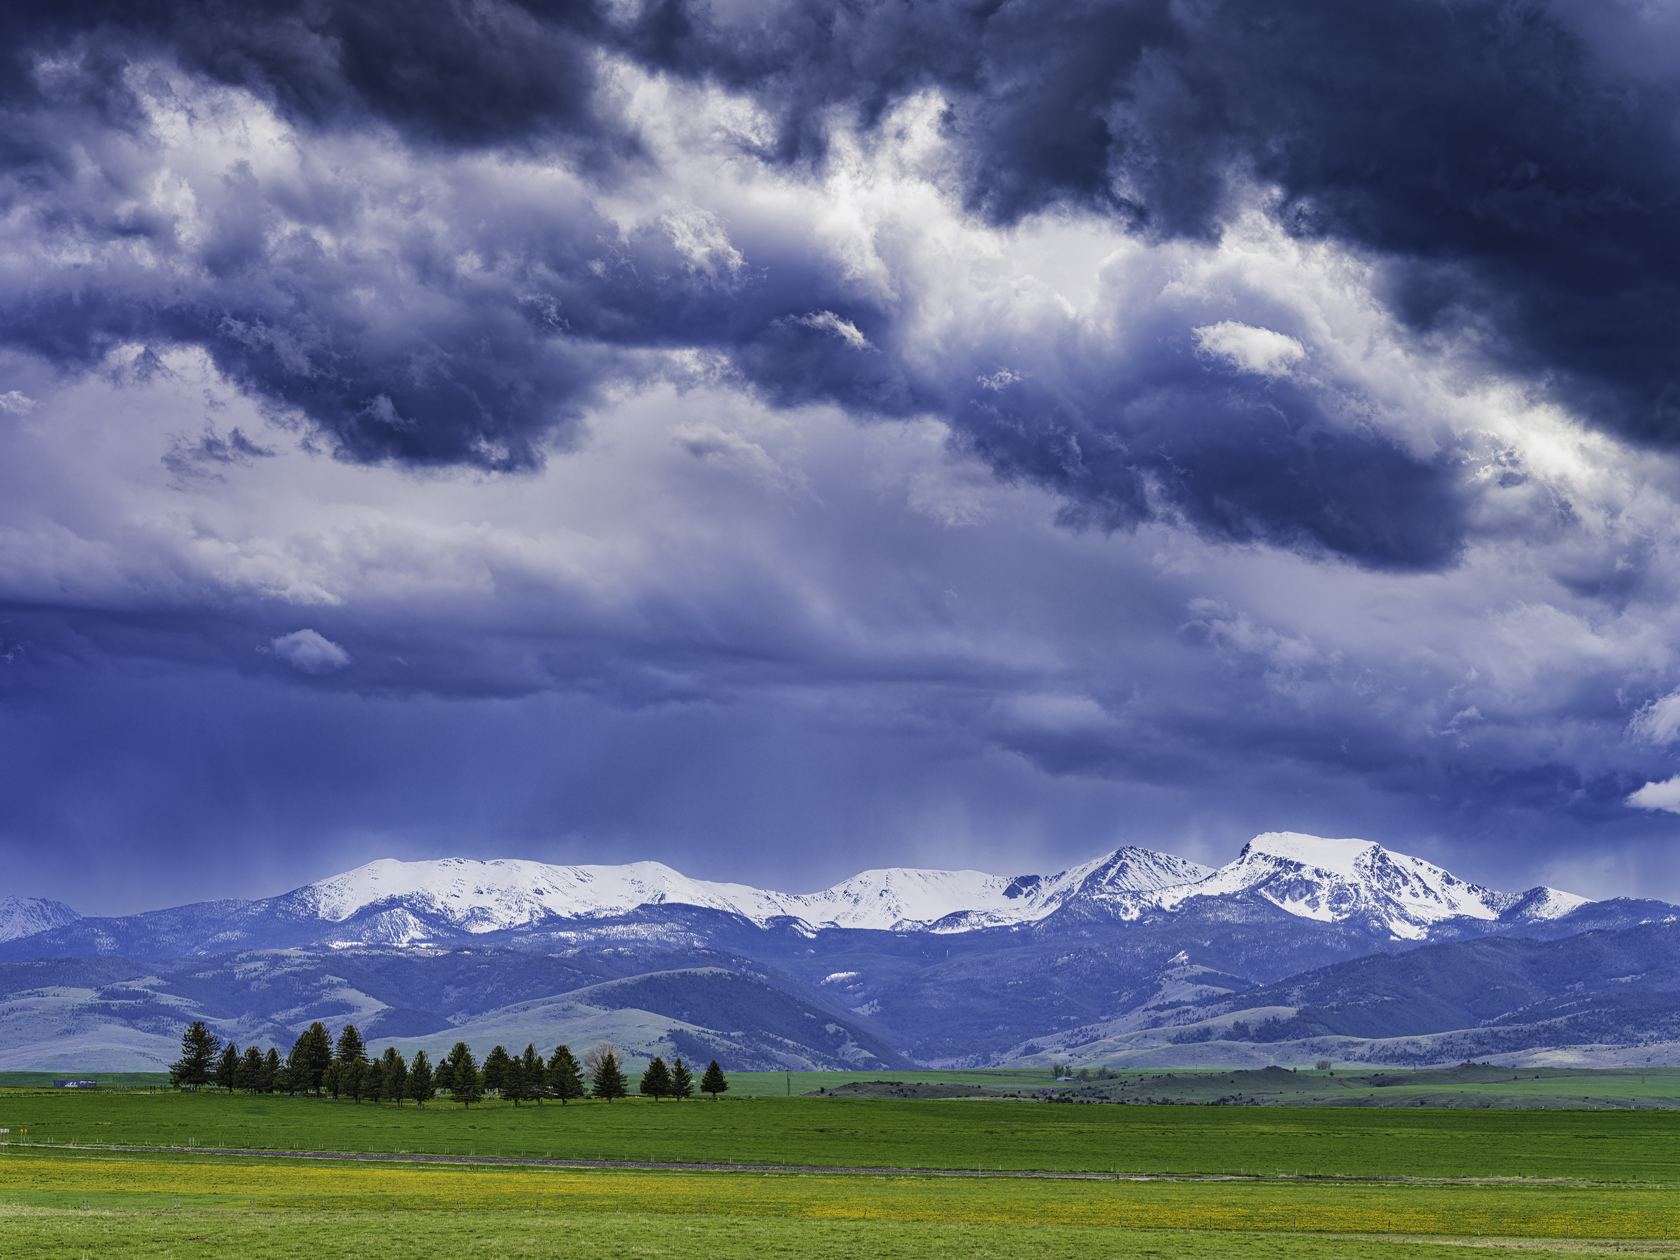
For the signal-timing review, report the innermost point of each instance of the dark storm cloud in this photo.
(1519, 185)
(1239, 460)
(453, 73)
(1516, 174)
(467, 244)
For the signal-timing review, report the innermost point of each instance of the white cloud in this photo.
(310, 652)
(828, 321)
(1658, 722)
(18, 404)
(1664, 796)
(1252, 349)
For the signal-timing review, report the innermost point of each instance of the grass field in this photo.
(838, 1132)
(1468, 1085)
(230, 1188)
(516, 1235)
(1584, 1181)
(107, 1080)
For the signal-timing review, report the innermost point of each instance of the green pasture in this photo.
(107, 1080)
(196, 1198)
(467, 1235)
(1603, 1146)
(1468, 1085)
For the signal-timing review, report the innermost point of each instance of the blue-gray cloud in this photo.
(1514, 185)
(1382, 521)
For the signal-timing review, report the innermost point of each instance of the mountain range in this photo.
(1133, 957)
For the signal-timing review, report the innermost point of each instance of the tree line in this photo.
(317, 1065)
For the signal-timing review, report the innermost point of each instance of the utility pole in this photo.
(790, 1082)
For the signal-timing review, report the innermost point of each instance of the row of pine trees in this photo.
(317, 1065)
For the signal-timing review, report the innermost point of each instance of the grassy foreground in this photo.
(399, 1235)
(1601, 1146)
(236, 1187)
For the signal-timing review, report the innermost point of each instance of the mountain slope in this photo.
(1607, 997)
(88, 1014)
(25, 916)
(1492, 982)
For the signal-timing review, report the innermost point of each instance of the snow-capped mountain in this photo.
(388, 902)
(1337, 880)
(1331, 881)
(25, 916)
(478, 897)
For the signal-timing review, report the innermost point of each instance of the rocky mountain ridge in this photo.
(393, 903)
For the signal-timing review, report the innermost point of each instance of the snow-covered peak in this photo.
(1336, 857)
(490, 896)
(25, 916)
(1133, 870)
(1334, 880)
(1539, 904)
(900, 897)
(1330, 880)
(479, 897)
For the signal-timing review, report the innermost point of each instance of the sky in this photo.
(781, 438)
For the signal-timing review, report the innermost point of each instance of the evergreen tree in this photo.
(285, 1078)
(351, 1048)
(330, 1081)
(198, 1056)
(513, 1080)
(297, 1073)
(466, 1085)
(445, 1079)
(421, 1087)
(608, 1081)
(682, 1080)
(393, 1076)
(364, 1081)
(714, 1082)
(656, 1081)
(495, 1069)
(565, 1079)
(536, 1074)
(227, 1068)
(250, 1069)
(310, 1057)
(267, 1079)
(350, 1058)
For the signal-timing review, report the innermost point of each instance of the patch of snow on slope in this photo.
(25, 916)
